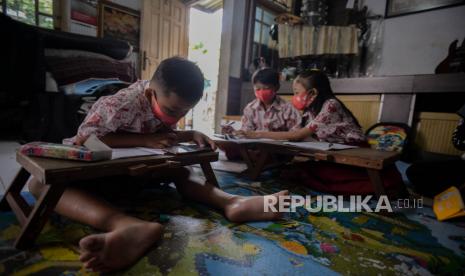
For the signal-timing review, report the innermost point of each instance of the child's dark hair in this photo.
(266, 76)
(180, 76)
(316, 79)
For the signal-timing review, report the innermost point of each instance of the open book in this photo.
(182, 148)
(240, 140)
(118, 153)
(320, 145)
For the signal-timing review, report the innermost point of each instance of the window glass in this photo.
(45, 21)
(256, 36)
(268, 18)
(25, 11)
(22, 10)
(46, 6)
(265, 35)
(258, 13)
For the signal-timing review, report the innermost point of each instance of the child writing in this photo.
(268, 112)
(326, 119)
(143, 115)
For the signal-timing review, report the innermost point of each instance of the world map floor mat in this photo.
(200, 241)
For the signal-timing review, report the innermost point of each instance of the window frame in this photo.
(262, 23)
(37, 12)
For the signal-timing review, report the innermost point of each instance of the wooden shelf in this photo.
(273, 6)
(399, 95)
(410, 84)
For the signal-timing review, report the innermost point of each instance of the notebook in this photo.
(118, 153)
(320, 145)
(239, 140)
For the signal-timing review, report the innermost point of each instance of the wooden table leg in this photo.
(209, 173)
(15, 188)
(39, 215)
(376, 181)
(260, 164)
(244, 151)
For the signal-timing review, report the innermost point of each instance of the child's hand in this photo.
(247, 134)
(239, 133)
(252, 134)
(161, 140)
(202, 140)
(80, 140)
(227, 129)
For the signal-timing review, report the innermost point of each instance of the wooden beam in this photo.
(409, 84)
(191, 2)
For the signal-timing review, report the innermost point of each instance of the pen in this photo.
(228, 124)
(219, 136)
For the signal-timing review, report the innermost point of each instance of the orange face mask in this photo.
(301, 102)
(166, 119)
(265, 95)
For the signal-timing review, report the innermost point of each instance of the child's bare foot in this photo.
(119, 248)
(242, 209)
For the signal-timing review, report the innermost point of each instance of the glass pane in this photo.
(46, 6)
(45, 21)
(255, 51)
(268, 18)
(256, 35)
(1, 6)
(265, 34)
(22, 10)
(258, 13)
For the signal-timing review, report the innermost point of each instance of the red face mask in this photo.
(301, 102)
(265, 95)
(166, 119)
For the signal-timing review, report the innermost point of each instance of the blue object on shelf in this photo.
(88, 87)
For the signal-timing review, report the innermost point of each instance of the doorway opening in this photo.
(204, 49)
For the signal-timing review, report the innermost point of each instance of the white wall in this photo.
(417, 43)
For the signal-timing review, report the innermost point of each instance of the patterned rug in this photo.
(199, 241)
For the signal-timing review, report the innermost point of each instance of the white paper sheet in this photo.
(118, 153)
(100, 150)
(219, 137)
(320, 145)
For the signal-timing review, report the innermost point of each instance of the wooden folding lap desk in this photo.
(57, 173)
(372, 160)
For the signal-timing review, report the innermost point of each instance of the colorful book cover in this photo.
(94, 150)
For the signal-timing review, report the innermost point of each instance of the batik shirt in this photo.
(280, 116)
(129, 110)
(333, 124)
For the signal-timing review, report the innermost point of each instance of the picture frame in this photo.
(119, 22)
(396, 8)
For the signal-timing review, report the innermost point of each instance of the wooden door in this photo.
(164, 33)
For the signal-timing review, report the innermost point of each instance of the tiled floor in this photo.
(8, 165)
